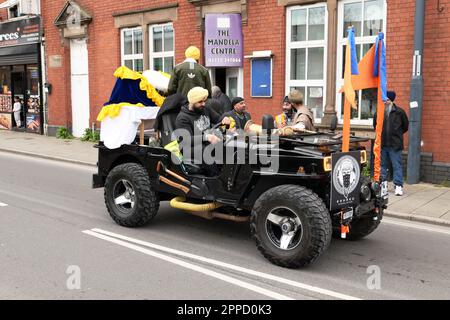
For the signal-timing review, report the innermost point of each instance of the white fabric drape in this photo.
(123, 128)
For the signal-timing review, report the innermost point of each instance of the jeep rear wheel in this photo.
(129, 197)
(291, 226)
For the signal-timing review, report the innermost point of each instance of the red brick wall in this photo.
(436, 72)
(436, 69)
(399, 47)
(59, 112)
(3, 13)
(266, 30)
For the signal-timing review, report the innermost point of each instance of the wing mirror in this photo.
(268, 123)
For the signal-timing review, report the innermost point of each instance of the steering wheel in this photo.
(221, 127)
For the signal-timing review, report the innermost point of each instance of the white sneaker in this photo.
(398, 190)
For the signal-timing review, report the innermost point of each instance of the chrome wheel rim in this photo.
(284, 228)
(124, 196)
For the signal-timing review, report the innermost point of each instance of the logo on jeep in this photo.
(346, 175)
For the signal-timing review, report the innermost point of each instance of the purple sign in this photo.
(223, 40)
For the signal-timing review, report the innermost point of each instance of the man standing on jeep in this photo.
(189, 74)
(196, 122)
(286, 118)
(395, 125)
(304, 119)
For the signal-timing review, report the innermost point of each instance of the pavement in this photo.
(421, 202)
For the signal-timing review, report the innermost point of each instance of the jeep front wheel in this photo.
(129, 197)
(291, 226)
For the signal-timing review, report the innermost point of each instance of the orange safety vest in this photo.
(280, 120)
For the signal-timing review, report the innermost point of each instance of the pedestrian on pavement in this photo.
(304, 119)
(189, 74)
(395, 125)
(222, 98)
(240, 116)
(17, 109)
(286, 118)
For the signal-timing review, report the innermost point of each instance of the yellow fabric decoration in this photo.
(126, 73)
(113, 110)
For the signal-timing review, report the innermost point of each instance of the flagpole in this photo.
(346, 127)
(379, 127)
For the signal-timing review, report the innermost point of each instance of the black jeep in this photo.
(314, 192)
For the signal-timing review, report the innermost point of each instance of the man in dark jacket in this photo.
(240, 116)
(189, 74)
(196, 121)
(225, 102)
(395, 125)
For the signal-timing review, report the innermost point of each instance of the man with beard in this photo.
(240, 116)
(304, 119)
(395, 125)
(287, 117)
(194, 123)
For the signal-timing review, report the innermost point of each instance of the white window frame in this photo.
(163, 54)
(306, 45)
(132, 57)
(19, 11)
(342, 42)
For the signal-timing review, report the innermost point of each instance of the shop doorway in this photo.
(229, 80)
(18, 86)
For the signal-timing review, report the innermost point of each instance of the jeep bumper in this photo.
(97, 181)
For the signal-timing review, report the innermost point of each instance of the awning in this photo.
(8, 3)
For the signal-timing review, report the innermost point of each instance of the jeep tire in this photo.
(129, 197)
(291, 226)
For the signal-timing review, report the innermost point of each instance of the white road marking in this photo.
(296, 284)
(3, 204)
(191, 266)
(416, 225)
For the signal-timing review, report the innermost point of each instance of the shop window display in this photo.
(5, 99)
(21, 82)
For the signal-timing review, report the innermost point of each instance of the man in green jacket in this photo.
(189, 74)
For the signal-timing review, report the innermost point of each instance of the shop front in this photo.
(20, 76)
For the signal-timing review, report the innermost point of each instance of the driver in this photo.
(196, 120)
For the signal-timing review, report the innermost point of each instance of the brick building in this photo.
(302, 41)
